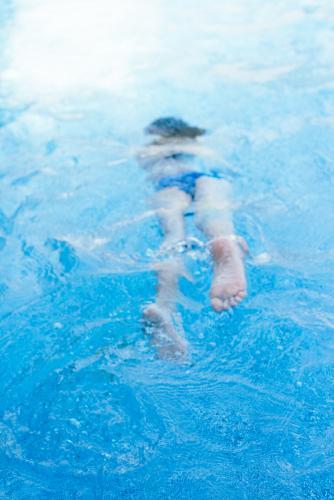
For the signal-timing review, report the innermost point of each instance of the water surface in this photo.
(86, 409)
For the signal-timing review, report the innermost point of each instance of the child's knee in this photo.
(209, 188)
(172, 199)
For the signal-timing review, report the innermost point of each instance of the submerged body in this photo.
(177, 165)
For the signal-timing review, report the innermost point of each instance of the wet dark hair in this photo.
(173, 127)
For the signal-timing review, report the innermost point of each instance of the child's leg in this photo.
(171, 204)
(161, 317)
(214, 217)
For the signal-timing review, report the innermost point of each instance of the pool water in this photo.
(87, 410)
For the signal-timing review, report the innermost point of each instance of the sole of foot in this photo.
(229, 286)
(160, 326)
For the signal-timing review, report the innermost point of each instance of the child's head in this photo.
(173, 128)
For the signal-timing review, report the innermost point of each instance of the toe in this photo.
(217, 304)
(223, 304)
(226, 305)
(238, 298)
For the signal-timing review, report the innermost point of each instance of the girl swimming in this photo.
(175, 162)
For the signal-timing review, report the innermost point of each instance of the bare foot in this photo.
(229, 283)
(159, 324)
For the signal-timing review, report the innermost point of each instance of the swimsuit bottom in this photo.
(186, 182)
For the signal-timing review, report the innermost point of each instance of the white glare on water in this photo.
(79, 44)
(72, 45)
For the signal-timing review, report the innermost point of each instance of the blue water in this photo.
(87, 410)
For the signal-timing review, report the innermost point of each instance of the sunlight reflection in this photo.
(78, 44)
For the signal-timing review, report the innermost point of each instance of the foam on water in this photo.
(86, 409)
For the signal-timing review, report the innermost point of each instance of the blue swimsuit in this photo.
(186, 181)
